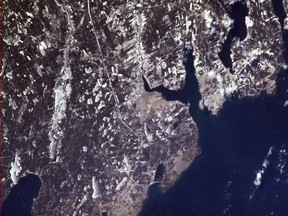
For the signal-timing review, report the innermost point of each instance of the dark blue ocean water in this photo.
(242, 169)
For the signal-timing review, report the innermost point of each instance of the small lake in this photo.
(19, 202)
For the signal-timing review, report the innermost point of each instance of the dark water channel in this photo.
(242, 169)
(237, 13)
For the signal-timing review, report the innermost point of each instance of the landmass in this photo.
(77, 113)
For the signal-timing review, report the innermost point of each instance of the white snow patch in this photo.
(62, 91)
(101, 105)
(98, 96)
(79, 177)
(13, 41)
(208, 18)
(15, 168)
(219, 78)
(85, 149)
(9, 75)
(227, 21)
(29, 14)
(211, 73)
(12, 104)
(121, 184)
(96, 188)
(163, 65)
(249, 22)
(126, 166)
(42, 47)
(177, 37)
(188, 23)
(90, 101)
(88, 70)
